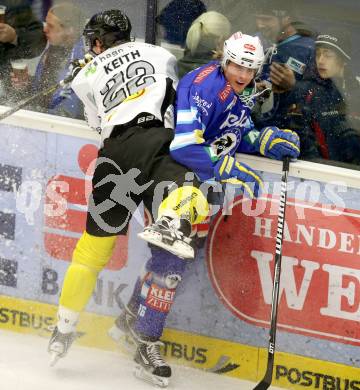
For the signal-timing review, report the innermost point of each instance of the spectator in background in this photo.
(326, 107)
(205, 36)
(268, 24)
(176, 19)
(41, 7)
(239, 13)
(20, 37)
(63, 27)
(287, 60)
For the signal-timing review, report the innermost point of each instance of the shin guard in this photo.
(185, 202)
(164, 272)
(89, 258)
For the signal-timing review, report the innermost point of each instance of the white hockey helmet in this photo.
(244, 50)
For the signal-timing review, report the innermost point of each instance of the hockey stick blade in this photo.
(266, 381)
(60, 84)
(54, 357)
(263, 385)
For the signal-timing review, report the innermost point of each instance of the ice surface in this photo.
(24, 365)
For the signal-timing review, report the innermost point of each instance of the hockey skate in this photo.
(151, 366)
(172, 235)
(59, 345)
(121, 333)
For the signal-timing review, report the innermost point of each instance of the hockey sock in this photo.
(133, 303)
(67, 320)
(89, 258)
(164, 272)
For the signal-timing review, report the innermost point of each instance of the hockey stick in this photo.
(28, 100)
(266, 381)
(77, 64)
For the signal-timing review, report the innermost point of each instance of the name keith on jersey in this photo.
(121, 60)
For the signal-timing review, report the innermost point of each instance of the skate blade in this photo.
(122, 339)
(179, 249)
(115, 333)
(144, 375)
(54, 357)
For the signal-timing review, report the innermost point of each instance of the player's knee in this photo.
(94, 252)
(165, 272)
(186, 200)
(163, 263)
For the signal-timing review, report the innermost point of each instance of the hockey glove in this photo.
(277, 144)
(228, 170)
(78, 64)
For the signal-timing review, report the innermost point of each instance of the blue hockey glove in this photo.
(228, 170)
(277, 144)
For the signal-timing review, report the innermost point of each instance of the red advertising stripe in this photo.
(71, 220)
(72, 189)
(61, 247)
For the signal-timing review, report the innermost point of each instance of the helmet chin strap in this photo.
(248, 95)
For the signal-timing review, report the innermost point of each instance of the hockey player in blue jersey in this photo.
(213, 122)
(213, 107)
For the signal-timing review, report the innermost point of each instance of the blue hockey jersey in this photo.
(211, 121)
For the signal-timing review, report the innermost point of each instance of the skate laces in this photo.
(153, 352)
(58, 347)
(172, 226)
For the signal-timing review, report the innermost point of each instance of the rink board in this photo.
(220, 319)
(209, 354)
